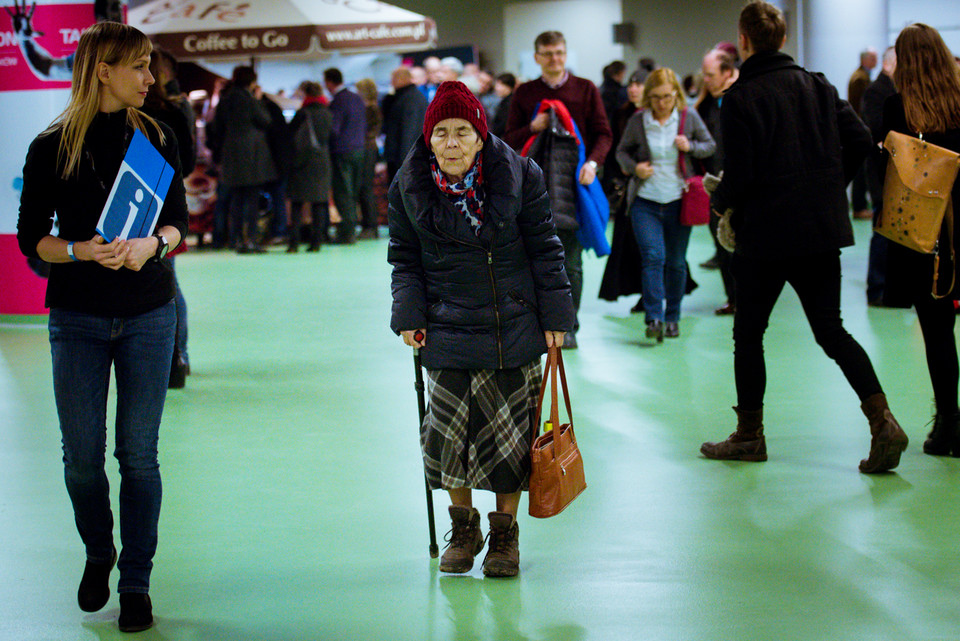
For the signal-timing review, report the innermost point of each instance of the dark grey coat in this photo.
(240, 125)
(633, 147)
(403, 114)
(309, 179)
(485, 301)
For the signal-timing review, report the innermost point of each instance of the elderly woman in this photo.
(479, 287)
(658, 140)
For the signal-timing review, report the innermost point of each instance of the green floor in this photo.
(293, 499)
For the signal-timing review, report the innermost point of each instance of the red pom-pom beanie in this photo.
(454, 100)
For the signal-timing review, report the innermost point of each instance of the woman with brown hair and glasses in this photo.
(928, 106)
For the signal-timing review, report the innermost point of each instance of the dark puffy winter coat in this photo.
(556, 151)
(791, 145)
(485, 301)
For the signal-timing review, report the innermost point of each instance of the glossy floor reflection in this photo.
(293, 499)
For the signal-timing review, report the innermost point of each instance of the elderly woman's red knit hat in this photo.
(454, 100)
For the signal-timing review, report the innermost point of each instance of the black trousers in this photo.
(937, 318)
(816, 279)
(368, 202)
(346, 179)
(319, 221)
(573, 265)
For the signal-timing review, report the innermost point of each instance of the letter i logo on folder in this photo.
(137, 195)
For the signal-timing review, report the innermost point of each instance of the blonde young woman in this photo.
(649, 152)
(111, 303)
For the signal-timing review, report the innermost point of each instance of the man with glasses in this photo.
(582, 100)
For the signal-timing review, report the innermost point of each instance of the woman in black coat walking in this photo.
(479, 286)
(928, 104)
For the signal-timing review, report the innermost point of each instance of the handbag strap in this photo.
(948, 222)
(552, 371)
(682, 165)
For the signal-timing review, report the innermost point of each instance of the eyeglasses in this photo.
(662, 98)
(552, 54)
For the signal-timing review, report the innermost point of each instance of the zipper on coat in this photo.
(496, 308)
(493, 285)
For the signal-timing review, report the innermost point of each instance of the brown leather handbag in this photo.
(556, 468)
(916, 197)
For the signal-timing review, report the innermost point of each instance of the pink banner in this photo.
(21, 291)
(37, 43)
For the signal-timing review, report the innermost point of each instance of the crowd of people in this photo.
(486, 239)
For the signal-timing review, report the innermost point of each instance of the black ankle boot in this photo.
(944, 438)
(136, 612)
(94, 589)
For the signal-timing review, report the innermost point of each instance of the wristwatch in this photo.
(162, 247)
(592, 163)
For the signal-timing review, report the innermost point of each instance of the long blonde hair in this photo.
(928, 79)
(112, 43)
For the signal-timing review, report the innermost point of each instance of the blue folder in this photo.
(137, 194)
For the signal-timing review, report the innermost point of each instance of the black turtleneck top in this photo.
(86, 286)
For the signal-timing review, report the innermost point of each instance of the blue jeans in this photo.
(181, 302)
(663, 248)
(140, 348)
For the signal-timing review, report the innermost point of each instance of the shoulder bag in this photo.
(695, 203)
(916, 197)
(556, 468)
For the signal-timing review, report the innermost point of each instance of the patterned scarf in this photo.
(466, 195)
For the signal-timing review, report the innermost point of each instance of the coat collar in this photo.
(502, 184)
(761, 63)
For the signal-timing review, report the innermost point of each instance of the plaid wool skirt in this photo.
(479, 427)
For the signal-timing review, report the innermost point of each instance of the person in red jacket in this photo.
(585, 105)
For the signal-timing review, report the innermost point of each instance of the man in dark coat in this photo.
(347, 141)
(719, 73)
(403, 112)
(798, 145)
(872, 110)
(859, 81)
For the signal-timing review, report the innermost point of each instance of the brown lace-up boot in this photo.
(465, 540)
(503, 553)
(746, 444)
(889, 440)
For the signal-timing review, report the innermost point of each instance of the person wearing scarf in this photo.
(479, 288)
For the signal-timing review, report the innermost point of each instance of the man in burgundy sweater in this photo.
(583, 101)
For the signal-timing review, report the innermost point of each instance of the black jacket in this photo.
(791, 145)
(557, 153)
(403, 114)
(485, 301)
(77, 202)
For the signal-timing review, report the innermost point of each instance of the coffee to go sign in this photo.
(248, 41)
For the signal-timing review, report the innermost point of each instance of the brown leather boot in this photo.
(746, 444)
(503, 554)
(465, 540)
(889, 440)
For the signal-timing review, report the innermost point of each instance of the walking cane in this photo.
(422, 407)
